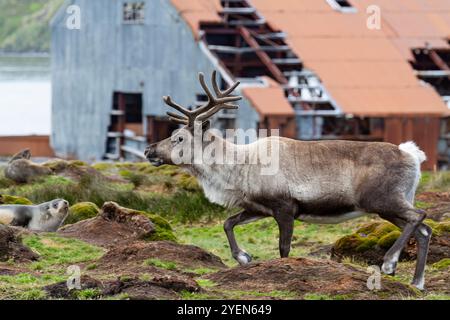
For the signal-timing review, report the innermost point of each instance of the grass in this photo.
(206, 283)
(25, 286)
(58, 251)
(168, 192)
(260, 239)
(168, 265)
(318, 296)
(88, 294)
(275, 294)
(186, 295)
(434, 181)
(179, 201)
(200, 271)
(56, 254)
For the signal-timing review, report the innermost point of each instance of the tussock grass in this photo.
(434, 181)
(164, 190)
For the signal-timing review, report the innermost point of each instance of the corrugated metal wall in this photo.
(157, 58)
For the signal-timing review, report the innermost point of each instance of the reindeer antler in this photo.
(212, 106)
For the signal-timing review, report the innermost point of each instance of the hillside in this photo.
(24, 24)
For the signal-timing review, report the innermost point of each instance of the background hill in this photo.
(24, 24)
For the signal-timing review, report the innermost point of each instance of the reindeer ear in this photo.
(206, 125)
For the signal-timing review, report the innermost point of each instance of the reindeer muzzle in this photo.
(151, 156)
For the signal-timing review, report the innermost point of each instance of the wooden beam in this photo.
(273, 69)
(434, 56)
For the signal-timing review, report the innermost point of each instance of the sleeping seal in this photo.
(47, 216)
(21, 169)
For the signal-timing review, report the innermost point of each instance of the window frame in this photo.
(141, 20)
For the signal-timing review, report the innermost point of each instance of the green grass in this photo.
(442, 264)
(200, 271)
(180, 203)
(88, 294)
(434, 181)
(260, 239)
(317, 296)
(25, 286)
(56, 254)
(168, 265)
(276, 294)
(186, 295)
(206, 283)
(58, 251)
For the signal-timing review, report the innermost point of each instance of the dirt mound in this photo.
(438, 204)
(74, 169)
(439, 283)
(131, 258)
(112, 226)
(11, 246)
(305, 276)
(8, 272)
(370, 243)
(60, 289)
(166, 287)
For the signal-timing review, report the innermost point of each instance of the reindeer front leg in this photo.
(242, 217)
(286, 228)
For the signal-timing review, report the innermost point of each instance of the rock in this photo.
(11, 246)
(305, 276)
(113, 225)
(81, 211)
(370, 243)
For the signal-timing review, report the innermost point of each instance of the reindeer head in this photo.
(182, 139)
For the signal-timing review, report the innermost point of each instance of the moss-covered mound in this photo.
(6, 199)
(115, 225)
(370, 243)
(81, 211)
(442, 264)
(163, 230)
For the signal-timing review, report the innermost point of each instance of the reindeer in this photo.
(317, 181)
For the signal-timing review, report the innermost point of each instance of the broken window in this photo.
(133, 12)
(433, 66)
(341, 5)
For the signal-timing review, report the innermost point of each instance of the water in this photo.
(25, 95)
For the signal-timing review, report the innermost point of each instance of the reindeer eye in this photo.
(180, 139)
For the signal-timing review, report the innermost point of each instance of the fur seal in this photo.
(47, 216)
(20, 168)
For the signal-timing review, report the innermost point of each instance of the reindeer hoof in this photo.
(389, 268)
(419, 284)
(243, 258)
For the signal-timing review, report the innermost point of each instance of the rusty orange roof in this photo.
(196, 11)
(365, 71)
(269, 100)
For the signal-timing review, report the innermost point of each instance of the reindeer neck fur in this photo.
(218, 180)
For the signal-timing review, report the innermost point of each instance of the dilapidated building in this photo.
(373, 70)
